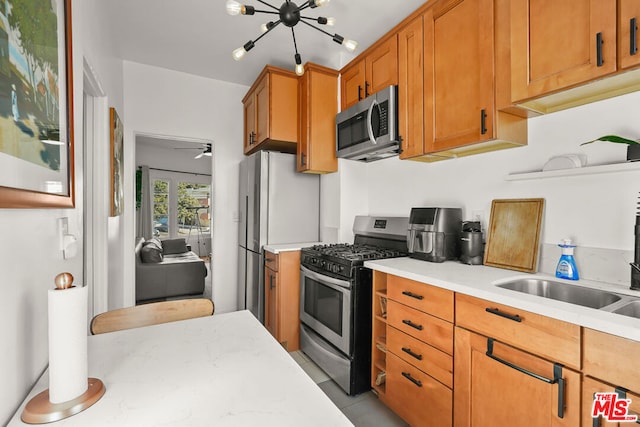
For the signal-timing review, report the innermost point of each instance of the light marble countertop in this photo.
(276, 249)
(223, 370)
(479, 281)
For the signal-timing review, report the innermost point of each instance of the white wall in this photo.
(29, 252)
(165, 102)
(596, 211)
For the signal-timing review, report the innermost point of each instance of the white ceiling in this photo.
(197, 36)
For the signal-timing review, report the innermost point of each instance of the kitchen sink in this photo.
(631, 309)
(572, 294)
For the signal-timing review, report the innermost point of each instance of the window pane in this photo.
(193, 208)
(161, 209)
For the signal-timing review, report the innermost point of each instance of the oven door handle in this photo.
(343, 284)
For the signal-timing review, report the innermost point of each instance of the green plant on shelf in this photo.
(614, 138)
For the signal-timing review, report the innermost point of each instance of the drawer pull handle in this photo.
(411, 353)
(412, 295)
(413, 325)
(622, 394)
(497, 312)
(557, 375)
(413, 380)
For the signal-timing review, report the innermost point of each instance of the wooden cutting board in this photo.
(513, 236)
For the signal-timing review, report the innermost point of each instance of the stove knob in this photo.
(341, 269)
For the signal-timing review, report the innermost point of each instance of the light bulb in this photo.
(299, 67)
(239, 53)
(350, 45)
(266, 27)
(234, 8)
(331, 21)
(318, 3)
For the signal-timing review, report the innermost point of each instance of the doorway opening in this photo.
(181, 190)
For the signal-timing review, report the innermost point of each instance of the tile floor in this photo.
(364, 410)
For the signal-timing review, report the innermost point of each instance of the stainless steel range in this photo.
(335, 299)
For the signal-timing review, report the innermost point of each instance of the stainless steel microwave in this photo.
(368, 130)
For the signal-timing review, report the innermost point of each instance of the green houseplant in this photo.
(633, 147)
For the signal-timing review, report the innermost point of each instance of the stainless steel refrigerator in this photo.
(277, 206)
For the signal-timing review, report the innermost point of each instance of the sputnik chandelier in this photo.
(289, 15)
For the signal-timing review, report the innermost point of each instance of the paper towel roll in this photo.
(67, 343)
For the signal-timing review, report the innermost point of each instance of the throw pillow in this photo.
(174, 246)
(155, 242)
(150, 253)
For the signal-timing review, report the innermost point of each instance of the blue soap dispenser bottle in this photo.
(566, 268)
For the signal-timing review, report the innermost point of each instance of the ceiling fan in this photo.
(205, 150)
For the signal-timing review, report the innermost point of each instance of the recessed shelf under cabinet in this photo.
(587, 170)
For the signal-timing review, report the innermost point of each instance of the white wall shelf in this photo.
(587, 170)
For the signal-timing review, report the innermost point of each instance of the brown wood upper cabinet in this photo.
(318, 106)
(559, 44)
(367, 75)
(457, 106)
(271, 112)
(628, 21)
(558, 47)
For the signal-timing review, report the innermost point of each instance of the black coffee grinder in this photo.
(635, 265)
(471, 245)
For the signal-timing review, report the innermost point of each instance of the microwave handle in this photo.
(372, 138)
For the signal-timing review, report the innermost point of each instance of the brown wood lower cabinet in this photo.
(590, 387)
(282, 297)
(416, 397)
(499, 385)
(613, 361)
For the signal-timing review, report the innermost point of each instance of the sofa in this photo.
(167, 269)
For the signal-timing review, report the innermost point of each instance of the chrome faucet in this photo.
(635, 276)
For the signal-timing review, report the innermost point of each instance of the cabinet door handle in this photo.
(483, 121)
(413, 325)
(633, 33)
(252, 138)
(366, 89)
(411, 353)
(622, 394)
(412, 295)
(557, 375)
(497, 312)
(303, 159)
(599, 42)
(413, 380)
(271, 285)
(359, 93)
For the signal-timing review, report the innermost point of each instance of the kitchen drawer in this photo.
(608, 357)
(416, 397)
(423, 356)
(271, 260)
(430, 299)
(590, 387)
(420, 325)
(550, 338)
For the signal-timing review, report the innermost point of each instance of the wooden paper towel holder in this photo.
(39, 410)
